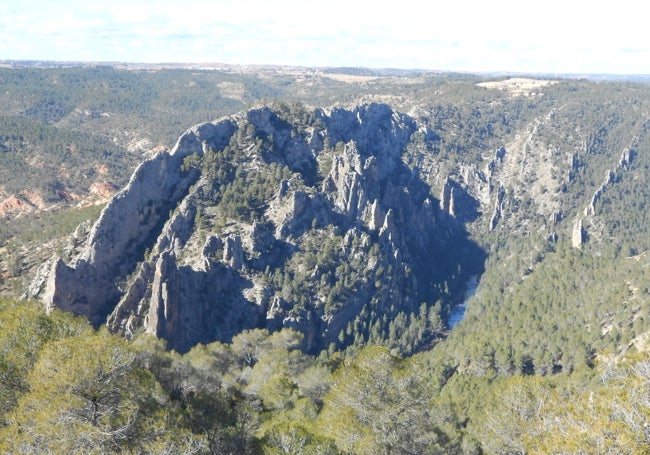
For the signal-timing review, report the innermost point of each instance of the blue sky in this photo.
(553, 36)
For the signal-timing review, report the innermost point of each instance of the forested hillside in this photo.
(67, 388)
(534, 189)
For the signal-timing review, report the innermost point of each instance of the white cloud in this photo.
(555, 35)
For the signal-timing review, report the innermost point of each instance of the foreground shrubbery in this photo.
(67, 388)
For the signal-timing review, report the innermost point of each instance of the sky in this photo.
(549, 36)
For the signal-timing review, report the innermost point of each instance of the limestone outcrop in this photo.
(90, 285)
(267, 220)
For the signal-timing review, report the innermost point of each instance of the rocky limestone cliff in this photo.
(308, 220)
(90, 284)
(526, 186)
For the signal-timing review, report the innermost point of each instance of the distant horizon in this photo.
(465, 36)
(216, 66)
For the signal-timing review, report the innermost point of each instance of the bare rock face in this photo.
(187, 305)
(89, 285)
(15, 205)
(578, 234)
(447, 198)
(259, 234)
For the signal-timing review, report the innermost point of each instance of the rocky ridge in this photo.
(524, 186)
(589, 212)
(302, 219)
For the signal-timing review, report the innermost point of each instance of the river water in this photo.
(458, 311)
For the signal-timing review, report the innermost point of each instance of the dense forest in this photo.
(551, 355)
